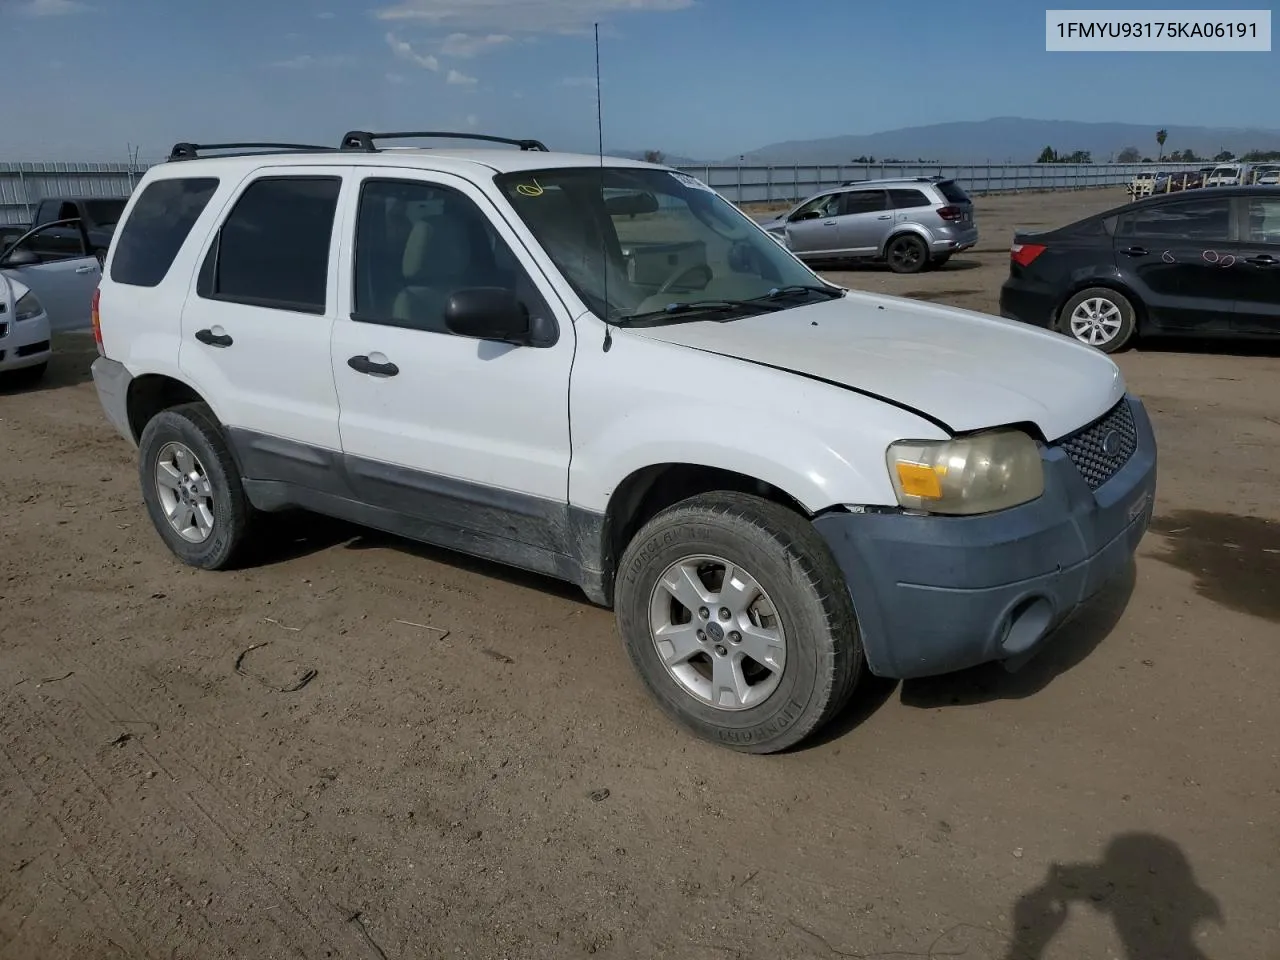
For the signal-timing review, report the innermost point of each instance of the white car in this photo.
(40, 292)
(776, 483)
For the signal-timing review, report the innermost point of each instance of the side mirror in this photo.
(21, 257)
(493, 313)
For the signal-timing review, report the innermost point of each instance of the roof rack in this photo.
(363, 140)
(191, 151)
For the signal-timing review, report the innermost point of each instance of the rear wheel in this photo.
(907, 253)
(1099, 317)
(192, 488)
(738, 621)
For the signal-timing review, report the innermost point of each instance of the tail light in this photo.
(96, 317)
(951, 214)
(1024, 253)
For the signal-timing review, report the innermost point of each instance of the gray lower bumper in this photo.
(937, 594)
(112, 380)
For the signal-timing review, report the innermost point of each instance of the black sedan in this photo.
(1204, 263)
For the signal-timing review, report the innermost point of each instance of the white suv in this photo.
(605, 372)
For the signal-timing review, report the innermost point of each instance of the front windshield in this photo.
(633, 241)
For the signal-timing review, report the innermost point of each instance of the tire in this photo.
(821, 656)
(906, 253)
(1106, 319)
(218, 504)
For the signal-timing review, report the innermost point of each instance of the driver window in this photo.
(827, 205)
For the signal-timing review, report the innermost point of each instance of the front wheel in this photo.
(739, 622)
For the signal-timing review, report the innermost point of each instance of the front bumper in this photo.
(936, 594)
(24, 343)
(112, 379)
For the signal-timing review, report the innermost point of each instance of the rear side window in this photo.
(907, 199)
(952, 191)
(864, 201)
(273, 248)
(1193, 220)
(157, 228)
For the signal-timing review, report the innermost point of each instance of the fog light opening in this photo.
(1027, 624)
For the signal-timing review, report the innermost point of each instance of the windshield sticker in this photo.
(533, 189)
(692, 182)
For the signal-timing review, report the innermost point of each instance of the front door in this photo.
(814, 229)
(865, 222)
(63, 280)
(256, 329)
(1257, 309)
(466, 438)
(1181, 258)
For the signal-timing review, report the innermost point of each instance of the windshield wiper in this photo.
(696, 306)
(833, 292)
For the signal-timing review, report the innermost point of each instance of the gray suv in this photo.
(912, 223)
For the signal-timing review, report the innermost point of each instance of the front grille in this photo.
(1103, 447)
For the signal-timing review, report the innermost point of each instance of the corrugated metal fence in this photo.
(23, 185)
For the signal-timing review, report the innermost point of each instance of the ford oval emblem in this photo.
(1111, 443)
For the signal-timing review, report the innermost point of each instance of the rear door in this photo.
(814, 227)
(1257, 309)
(866, 220)
(1179, 257)
(256, 327)
(62, 280)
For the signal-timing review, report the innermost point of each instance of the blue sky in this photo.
(702, 78)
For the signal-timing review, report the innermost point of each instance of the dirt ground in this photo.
(469, 768)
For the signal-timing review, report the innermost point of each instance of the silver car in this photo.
(912, 223)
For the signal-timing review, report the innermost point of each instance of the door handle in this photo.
(1266, 260)
(885, 216)
(828, 223)
(87, 268)
(363, 364)
(1134, 251)
(214, 339)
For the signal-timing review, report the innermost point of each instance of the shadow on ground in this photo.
(1235, 559)
(1144, 884)
(73, 353)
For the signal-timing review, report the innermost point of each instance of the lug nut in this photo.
(722, 651)
(724, 613)
(735, 637)
(704, 613)
(701, 635)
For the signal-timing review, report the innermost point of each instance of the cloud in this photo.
(464, 45)
(460, 79)
(406, 52)
(50, 8)
(305, 60)
(525, 16)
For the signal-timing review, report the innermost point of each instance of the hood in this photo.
(966, 370)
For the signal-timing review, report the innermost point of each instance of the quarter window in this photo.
(416, 245)
(273, 248)
(908, 199)
(1264, 221)
(157, 227)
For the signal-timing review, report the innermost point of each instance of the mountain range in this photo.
(1001, 140)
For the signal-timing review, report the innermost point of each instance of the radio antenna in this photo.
(604, 247)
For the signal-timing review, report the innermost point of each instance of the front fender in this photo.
(819, 443)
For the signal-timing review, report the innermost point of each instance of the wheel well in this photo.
(152, 393)
(903, 232)
(650, 490)
(1139, 309)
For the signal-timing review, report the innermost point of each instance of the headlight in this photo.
(28, 307)
(975, 474)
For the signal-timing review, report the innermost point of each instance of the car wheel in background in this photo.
(907, 253)
(1099, 317)
(738, 620)
(192, 488)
